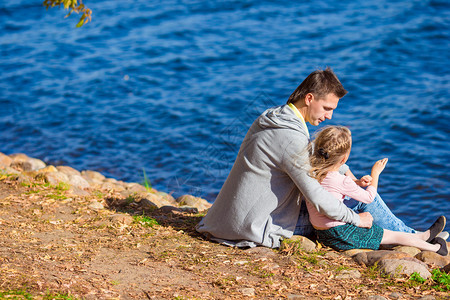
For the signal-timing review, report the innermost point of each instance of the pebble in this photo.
(122, 219)
(348, 274)
(376, 297)
(95, 205)
(261, 252)
(395, 295)
(249, 292)
(5, 160)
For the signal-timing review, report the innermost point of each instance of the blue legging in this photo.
(382, 216)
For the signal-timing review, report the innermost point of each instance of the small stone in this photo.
(430, 257)
(249, 292)
(76, 191)
(108, 186)
(261, 252)
(169, 209)
(95, 205)
(348, 274)
(68, 170)
(376, 297)
(300, 242)
(332, 255)
(121, 219)
(396, 267)
(412, 251)
(190, 200)
(395, 295)
(189, 209)
(427, 297)
(297, 297)
(5, 160)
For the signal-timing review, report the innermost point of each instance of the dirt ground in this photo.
(54, 245)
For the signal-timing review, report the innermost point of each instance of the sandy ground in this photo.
(53, 243)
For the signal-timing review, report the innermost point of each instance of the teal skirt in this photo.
(348, 236)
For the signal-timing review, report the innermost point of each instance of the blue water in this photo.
(172, 86)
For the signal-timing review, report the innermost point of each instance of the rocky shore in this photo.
(80, 235)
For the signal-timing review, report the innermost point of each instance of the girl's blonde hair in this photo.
(330, 146)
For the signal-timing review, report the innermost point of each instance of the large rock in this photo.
(412, 251)
(372, 257)
(155, 199)
(430, 257)
(8, 170)
(78, 181)
(23, 162)
(94, 178)
(397, 267)
(54, 178)
(132, 188)
(5, 160)
(189, 200)
(298, 242)
(446, 269)
(168, 198)
(353, 252)
(68, 170)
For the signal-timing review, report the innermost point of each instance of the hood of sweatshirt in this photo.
(281, 117)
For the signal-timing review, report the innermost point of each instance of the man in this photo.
(260, 203)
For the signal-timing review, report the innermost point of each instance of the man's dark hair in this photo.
(319, 83)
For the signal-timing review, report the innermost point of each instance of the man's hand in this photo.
(364, 181)
(366, 220)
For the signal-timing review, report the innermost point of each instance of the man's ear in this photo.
(309, 98)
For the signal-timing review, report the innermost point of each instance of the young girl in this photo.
(329, 152)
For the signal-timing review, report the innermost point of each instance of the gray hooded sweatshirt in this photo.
(259, 203)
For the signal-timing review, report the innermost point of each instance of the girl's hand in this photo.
(364, 181)
(379, 166)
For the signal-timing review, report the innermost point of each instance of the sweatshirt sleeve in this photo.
(351, 189)
(295, 162)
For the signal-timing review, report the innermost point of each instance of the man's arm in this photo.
(296, 164)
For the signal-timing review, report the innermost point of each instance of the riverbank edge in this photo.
(110, 193)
